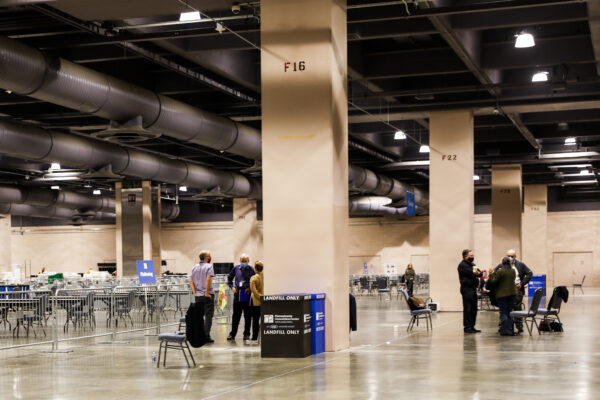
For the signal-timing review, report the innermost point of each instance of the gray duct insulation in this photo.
(371, 206)
(27, 71)
(38, 197)
(367, 181)
(27, 210)
(32, 143)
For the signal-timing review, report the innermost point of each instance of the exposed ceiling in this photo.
(406, 58)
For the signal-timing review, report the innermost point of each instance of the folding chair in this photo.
(417, 314)
(382, 286)
(530, 314)
(173, 341)
(579, 285)
(551, 313)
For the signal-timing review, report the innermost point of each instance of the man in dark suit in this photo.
(468, 275)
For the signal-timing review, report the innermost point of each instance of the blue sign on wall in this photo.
(318, 322)
(365, 269)
(410, 204)
(145, 269)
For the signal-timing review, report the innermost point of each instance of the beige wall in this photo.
(75, 249)
(5, 247)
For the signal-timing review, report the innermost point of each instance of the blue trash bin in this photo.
(317, 308)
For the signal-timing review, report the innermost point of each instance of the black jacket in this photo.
(194, 325)
(353, 322)
(468, 280)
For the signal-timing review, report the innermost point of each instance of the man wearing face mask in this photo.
(468, 275)
(239, 281)
(524, 275)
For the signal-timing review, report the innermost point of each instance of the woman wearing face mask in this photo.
(468, 275)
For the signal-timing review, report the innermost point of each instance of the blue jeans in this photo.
(506, 305)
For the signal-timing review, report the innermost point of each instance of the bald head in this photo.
(244, 258)
(511, 253)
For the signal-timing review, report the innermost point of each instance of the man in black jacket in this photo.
(468, 275)
(524, 274)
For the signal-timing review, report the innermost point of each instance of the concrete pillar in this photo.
(247, 237)
(451, 202)
(305, 154)
(534, 235)
(137, 226)
(506, 210)
(5, 243)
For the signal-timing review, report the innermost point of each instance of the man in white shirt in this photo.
(201, 284)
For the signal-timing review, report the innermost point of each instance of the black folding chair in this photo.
(530, 314)
(417, 314)
(579, 285)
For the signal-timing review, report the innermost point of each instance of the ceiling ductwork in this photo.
(372, 206)
(33, 143)
(367, 181)
(44, 198)
(76, 217)
(30, 72)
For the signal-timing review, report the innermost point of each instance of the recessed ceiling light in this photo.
(476, 177)
(524, 40)
(541, 76)
(190, 16)
(424, 149)
(580, 182)
(97, 192)
(55, 187)
(183, 188)
(54, 166)
(400, 135)
(563, 126)
(571, 166)
(585, 172)
(570, 141)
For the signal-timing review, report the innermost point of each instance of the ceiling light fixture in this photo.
(183, 188)
(55, 187)
(541, 76)
(573, 154)
(54, 166)
(476, 177)
(580, 182)
(570, 141)
(524, 40)
(97, 192)
(400, 135)
(220, 28)
(424, 149)
(585, 172)
(571, 166)
(190, 16)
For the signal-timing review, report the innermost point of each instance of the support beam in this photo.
(5, 244)
(506, 210)
(534, 235)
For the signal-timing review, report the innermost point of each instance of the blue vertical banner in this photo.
(410, 204)
(145, 269)
(365, 269)
(317, 309)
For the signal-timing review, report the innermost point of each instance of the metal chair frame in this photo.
(172, 344)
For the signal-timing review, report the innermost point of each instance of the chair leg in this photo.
(165, 359)
(184, 355)
(159, 352)
(190, 351)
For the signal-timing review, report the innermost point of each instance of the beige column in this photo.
(5, 243)
(247, 237)
(506, 210)
(119, 227)
(151, 222)
(305, 154)
(534, 235)
(451, 202)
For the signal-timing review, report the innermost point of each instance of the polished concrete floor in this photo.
(383, 362)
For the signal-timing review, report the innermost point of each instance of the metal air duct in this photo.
(30, 72)
(48, 212)
(372, 206)
(32, 143)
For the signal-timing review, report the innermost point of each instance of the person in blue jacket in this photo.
(239, 281)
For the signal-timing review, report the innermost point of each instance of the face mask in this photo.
(244, 265)
(511, 258)
(470, 259)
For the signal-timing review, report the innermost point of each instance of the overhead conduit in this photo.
(27, 210)
(38, 197)
(372, 206)
(30, 72)
(33, 143)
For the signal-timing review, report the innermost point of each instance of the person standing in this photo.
(239, 281)
(524, 275)
(409, 279)
(468, 275)
(201, 284)
(503, 279)
(257, 290)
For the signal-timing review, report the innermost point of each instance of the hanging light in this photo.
(97, 192)
(570, 141)
(54, 166)
(400, 135)
(190, 16)
(476, 177)
(183, 188)
(55, 187)
(585, 172)
(524, 40)
(424, 149)
(541, 76)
